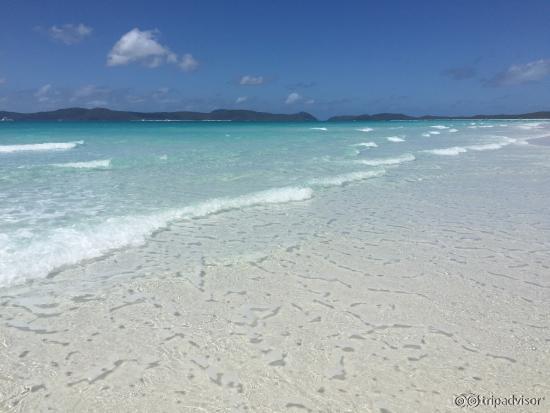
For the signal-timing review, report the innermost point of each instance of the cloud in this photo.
(2, 81)
(69, 33)
(523, 73)
(143, 47)
(42, 93)
(252, 80)
(293, 98)
(460, 73)
(188, 63)
(138, 46)
(310, 101)
(241, 99)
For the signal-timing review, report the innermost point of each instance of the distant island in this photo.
(103, 114)
(400, 116)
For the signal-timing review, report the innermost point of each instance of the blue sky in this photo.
(324, 57)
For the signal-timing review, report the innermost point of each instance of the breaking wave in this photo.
(388, 161)
(70, 245)
(346, 178)
(51, 146)
(103, 163)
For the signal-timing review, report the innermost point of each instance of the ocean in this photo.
(71, 192)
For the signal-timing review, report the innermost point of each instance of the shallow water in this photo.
(75, 191)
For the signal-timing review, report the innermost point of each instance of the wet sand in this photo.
(349, 303)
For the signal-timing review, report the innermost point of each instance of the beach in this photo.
(394, 288)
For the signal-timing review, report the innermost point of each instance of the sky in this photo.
(324, 57)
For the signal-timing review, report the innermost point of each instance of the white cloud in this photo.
(70, 33)
(252, 80)
(42, 93)
(139, 46)
(310, 101)
(293, 98)
(241, 99)
(188, 63)
(523, 73)
(2, 80)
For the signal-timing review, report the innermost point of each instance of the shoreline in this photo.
(324, 311)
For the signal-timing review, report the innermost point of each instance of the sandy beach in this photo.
(392, 305)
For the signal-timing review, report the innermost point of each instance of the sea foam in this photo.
(457, 150)
(51, 146)
(98, 164)
(70, 245)
(387, 161)
(453, 151)
(338, 180)
(365, 129)
(366, 145)
(395, 139)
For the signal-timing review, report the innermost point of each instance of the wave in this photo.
(531, 125)
(485, 147)
(365, 129)
(434, 132)
(480, 126)
(453, 130)
(453, 151)
(439, 127)
(323, 129)
(387, 161)
(51, 146)
(366, 145)
(457, 150)
(71, 245)
(346, 178)
(395, 139)
(103, 163)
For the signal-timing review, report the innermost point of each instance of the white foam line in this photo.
(453, 151)
(346, 178)
(365, 129)
(457, 150)
(51, 146)
(98, 164)
(366, 145)
(71, 245)
(323, 129)
(387, 161)
(395, 139)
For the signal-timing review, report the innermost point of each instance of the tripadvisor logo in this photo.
(475, 400)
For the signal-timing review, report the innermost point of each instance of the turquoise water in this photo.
(74, 191)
